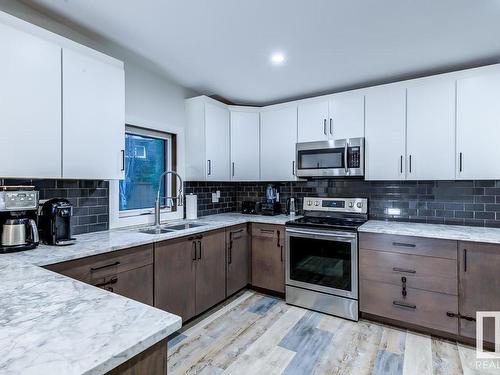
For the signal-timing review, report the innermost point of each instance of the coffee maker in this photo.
(272, 204)
(18, 214)
(55, 222)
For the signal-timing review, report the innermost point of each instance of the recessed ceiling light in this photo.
(277, 58)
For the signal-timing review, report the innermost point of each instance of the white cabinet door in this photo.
(217, 142)
(30, 106)
(313, 121)
(347, 115)
(245, 146)
(478, 127)
(430, 133)
(93, 117)
(278, 136)
(385, 133)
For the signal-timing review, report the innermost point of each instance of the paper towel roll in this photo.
(191, 207)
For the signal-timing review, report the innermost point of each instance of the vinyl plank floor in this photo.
(258, 334)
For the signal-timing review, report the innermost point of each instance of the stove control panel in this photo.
(355, 205)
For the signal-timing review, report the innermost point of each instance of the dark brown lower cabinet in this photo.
(175, 276)
(210, 270)
(268, 257)
(127, 272)
(237, 258)
(479, 286)
(190, 273)
(152, 361)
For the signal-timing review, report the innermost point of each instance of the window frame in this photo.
(169, 165)
(116, 220)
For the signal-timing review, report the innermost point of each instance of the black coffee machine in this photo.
(54, 222)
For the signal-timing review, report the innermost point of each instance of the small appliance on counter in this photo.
(191, 207)
(55, 222)
(251, 207)
(290, 206)
(18, 229)
(272, 204)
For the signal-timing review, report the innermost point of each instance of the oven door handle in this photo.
(339, 236)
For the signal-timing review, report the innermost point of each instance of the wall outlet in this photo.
(215, 198)
(218, 193)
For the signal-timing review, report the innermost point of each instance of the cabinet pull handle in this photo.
(324, 126)
(281, 254)
(401, 244)
(465, 260)
(452, 315)
(331, 126)
(103, 267)
(404, 304)
(123, 160)
(279, 238)
(468, 318)
(194, 250)
(293, 167)
(458, 316)
(401, 165)
(230, 250)
(410, 163)
(403, 270)
(460, 157)
(113, 280)
(209, 167)
(199, 248)
(233, 169)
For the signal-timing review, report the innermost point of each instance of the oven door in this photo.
(322, 260)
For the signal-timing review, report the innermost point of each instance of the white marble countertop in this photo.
(51, 324)
(112, 240)
(438, 231)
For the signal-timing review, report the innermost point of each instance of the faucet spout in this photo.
(179, 198)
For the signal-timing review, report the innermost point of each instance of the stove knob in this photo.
(316, 203)
(351, 204)
(309, 203)
(359, 204)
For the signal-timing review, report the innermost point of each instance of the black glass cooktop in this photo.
(345, 223)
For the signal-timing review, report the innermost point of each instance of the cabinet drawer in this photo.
(267, 231)
(409, 245)
(423, 308)
(427, 273)
(100, 266)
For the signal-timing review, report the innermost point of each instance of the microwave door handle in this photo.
(346, 147)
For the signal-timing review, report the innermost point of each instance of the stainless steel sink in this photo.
(154, 230)
(184, 226)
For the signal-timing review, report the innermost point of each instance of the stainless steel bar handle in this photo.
(403, 270)
(346, 148)
(460, 162)
(401, 164)
(233, 168)
(293, 167)
(410, 163)
(324, 126)
(331, 126)
(404, 304)
(209, 167)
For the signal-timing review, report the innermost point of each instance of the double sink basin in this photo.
(170, 228)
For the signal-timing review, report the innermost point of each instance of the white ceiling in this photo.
(223, 47)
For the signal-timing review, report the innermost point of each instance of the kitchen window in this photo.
(147, 155)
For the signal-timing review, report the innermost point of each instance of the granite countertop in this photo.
(438, 231)
(54, 324)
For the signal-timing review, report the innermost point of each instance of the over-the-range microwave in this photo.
(333, 158)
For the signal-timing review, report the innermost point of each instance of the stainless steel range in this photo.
(322, 256)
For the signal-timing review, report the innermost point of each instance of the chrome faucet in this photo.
(179, 197)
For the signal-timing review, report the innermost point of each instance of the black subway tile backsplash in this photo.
(90, 200)
(475, 203)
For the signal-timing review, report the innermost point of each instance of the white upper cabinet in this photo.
(30, 105)
(217, 142)
(278, 136)
(346, 115)
(93, 117)
(478, 126)
(431, 129)
(207, 140)
(338, 117)
(245, 130)
(313, 121)
(385, 133)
